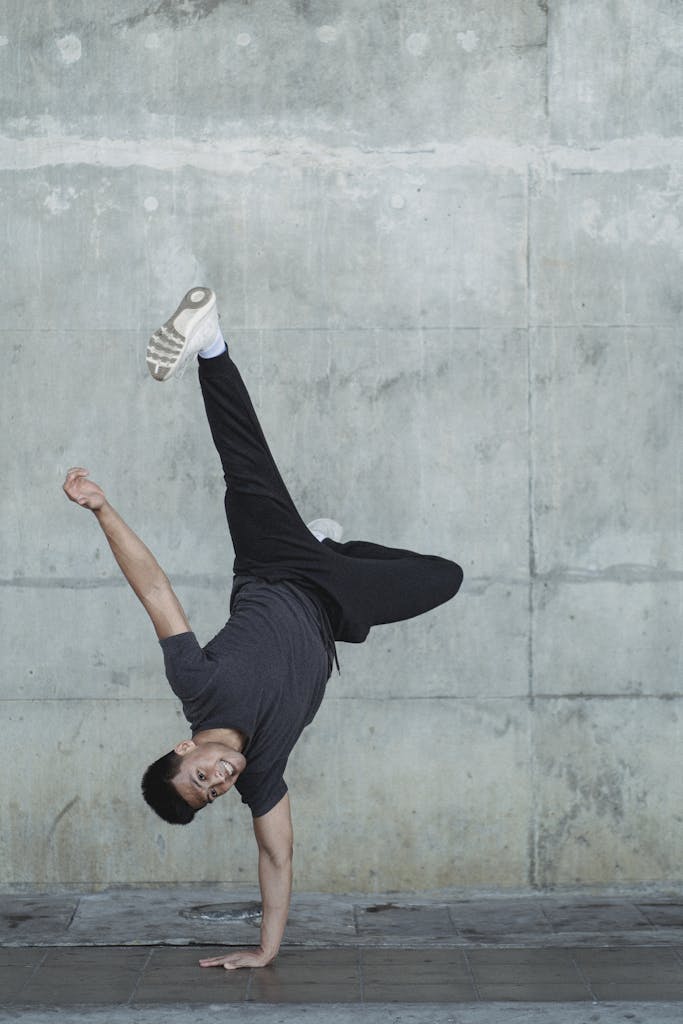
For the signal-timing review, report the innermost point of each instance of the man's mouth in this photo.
(229, 768)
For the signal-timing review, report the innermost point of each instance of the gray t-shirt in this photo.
(263, 674)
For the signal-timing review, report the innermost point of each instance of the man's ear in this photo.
(184, 746)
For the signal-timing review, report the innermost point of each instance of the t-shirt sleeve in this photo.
(188, 670)
(261, 791)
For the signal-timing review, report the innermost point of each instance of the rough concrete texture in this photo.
(446, 240)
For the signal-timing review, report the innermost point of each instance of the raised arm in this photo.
(136, 561)
(275, 839)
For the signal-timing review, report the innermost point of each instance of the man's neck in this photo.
(231, 737)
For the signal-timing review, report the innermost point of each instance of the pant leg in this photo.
(362, 584)
(266, 529)
(375, 585)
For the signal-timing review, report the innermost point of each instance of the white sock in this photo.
(217, 348)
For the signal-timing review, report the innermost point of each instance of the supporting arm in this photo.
(275, 839)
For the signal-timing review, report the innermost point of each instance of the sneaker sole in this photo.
(181, 334)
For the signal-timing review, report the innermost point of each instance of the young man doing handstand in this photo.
(250, 692)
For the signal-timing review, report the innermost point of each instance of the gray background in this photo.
(446, 242)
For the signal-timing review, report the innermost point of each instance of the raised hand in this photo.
(241, 958)
(82, 491)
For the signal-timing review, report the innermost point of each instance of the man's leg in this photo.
(269, 537)
(374, 585)
(364, 584)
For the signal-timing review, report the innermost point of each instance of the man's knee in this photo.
(453, 577)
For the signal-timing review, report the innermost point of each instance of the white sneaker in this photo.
(322, 528)
(193, 326)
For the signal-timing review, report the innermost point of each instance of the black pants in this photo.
(361, 584)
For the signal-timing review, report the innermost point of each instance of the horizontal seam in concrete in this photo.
(372, 329)
(239, 155)
(626, 573)
(472, 698)
(477, 584)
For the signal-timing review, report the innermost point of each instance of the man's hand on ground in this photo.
(84, 492)
(241, 958)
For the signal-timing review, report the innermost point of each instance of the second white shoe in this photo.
(193, 327)
(322, 528)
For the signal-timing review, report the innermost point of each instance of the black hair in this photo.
(161, 795)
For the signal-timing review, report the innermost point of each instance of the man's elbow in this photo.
(279, 857)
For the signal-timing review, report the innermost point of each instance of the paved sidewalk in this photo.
(395, 957)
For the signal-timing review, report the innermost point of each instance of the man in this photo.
(252, 690)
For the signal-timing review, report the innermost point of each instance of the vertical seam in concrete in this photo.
(136, 986)
(547, 65)
(470, 973)
(73, 913)
(583, 977)
(533, 828)
(34, 972)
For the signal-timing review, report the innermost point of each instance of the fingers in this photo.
(75, 473)
(231, 962)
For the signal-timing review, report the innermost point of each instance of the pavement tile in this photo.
(628, 957)
(520, 957)
(302, 975)
(493, 918)
(269, 987)
(526, 974)
(330, 921)
(320, 957)
(35, 918)
(413, 968)
(638, 974)
(406, 958)
(173, 975)
(75, 975)
(644, 974)
(413, 975)
(21, 956)
(406, 922)
(155, 916)
(13, 980)
(436, 992)
(595, 917)
(667, 915)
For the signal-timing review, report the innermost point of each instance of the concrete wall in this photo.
(446, 239)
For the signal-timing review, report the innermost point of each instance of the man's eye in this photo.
(213, 794)
(201, 776)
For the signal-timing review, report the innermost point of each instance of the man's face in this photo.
(207, 771)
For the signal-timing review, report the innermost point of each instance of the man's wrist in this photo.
(102, 510)
(269, 950)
